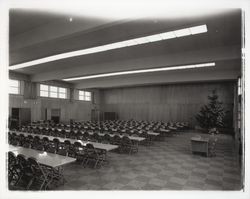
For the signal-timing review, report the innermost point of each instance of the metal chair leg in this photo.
(30, 183)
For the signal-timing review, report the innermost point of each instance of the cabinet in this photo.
(200, 145)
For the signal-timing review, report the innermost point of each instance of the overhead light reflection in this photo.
(142, 71)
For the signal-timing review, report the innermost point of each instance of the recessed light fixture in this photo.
(142, 71)
(198, 29)
(131, 42)
(182, 32)
(168, 35)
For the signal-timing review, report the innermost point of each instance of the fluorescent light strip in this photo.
(132, 42)
(142, 71)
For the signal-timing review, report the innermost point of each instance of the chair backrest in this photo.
(84, 138)
(107, 137)
(77, 144)
(62, 151)
(86, 134)
(22, 161)
(67, 134)
(45, 132)
(67, 142)
(10, 137)
(30, 137)
(39, 147)
(79, 135)
(95, 135)
(11, 158)
(126, 140)
(51, 149)
(35, 166)
(63, 131)
(26, 142)
(45, 139)
(117, 138)
(144, 134)
(71, 151)
(36, 138)
(15, 140)
(72, 135)
(55, 140)
(90, 146)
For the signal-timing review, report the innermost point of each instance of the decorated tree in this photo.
(212, 114)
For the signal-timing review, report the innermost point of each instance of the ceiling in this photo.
(35, 35)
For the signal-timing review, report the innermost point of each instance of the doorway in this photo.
(25, 116)
(19, 116)
(14, 118)
(55, 115)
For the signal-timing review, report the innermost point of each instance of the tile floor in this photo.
(165, 165)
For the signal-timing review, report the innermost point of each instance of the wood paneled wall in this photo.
(179, 102)
(77, 110)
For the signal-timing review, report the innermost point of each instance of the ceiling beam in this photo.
(197, 75)
(190, 57)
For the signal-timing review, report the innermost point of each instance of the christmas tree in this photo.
(212, 114)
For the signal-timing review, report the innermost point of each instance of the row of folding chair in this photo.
(123, 125)
(27, 173)
(85, 134)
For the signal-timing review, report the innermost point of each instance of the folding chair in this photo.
(93, 155)
(13, 173)
(24, 170)
(41, 174)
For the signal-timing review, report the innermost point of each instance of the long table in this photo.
(166, 132)
(153, 133)
(150, 133)
(138, 139)
(43, 157)
(106, 147)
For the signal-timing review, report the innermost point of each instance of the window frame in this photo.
(18, 87)
(54, 92)
(44, 90)
(85, 96)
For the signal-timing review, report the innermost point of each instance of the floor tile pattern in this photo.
(165, 165)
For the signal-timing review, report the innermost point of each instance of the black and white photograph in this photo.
(124, 98)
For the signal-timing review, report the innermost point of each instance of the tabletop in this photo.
(165, 130)
(139, 139)
(199, 139)
(43, 157)
(152, 133)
